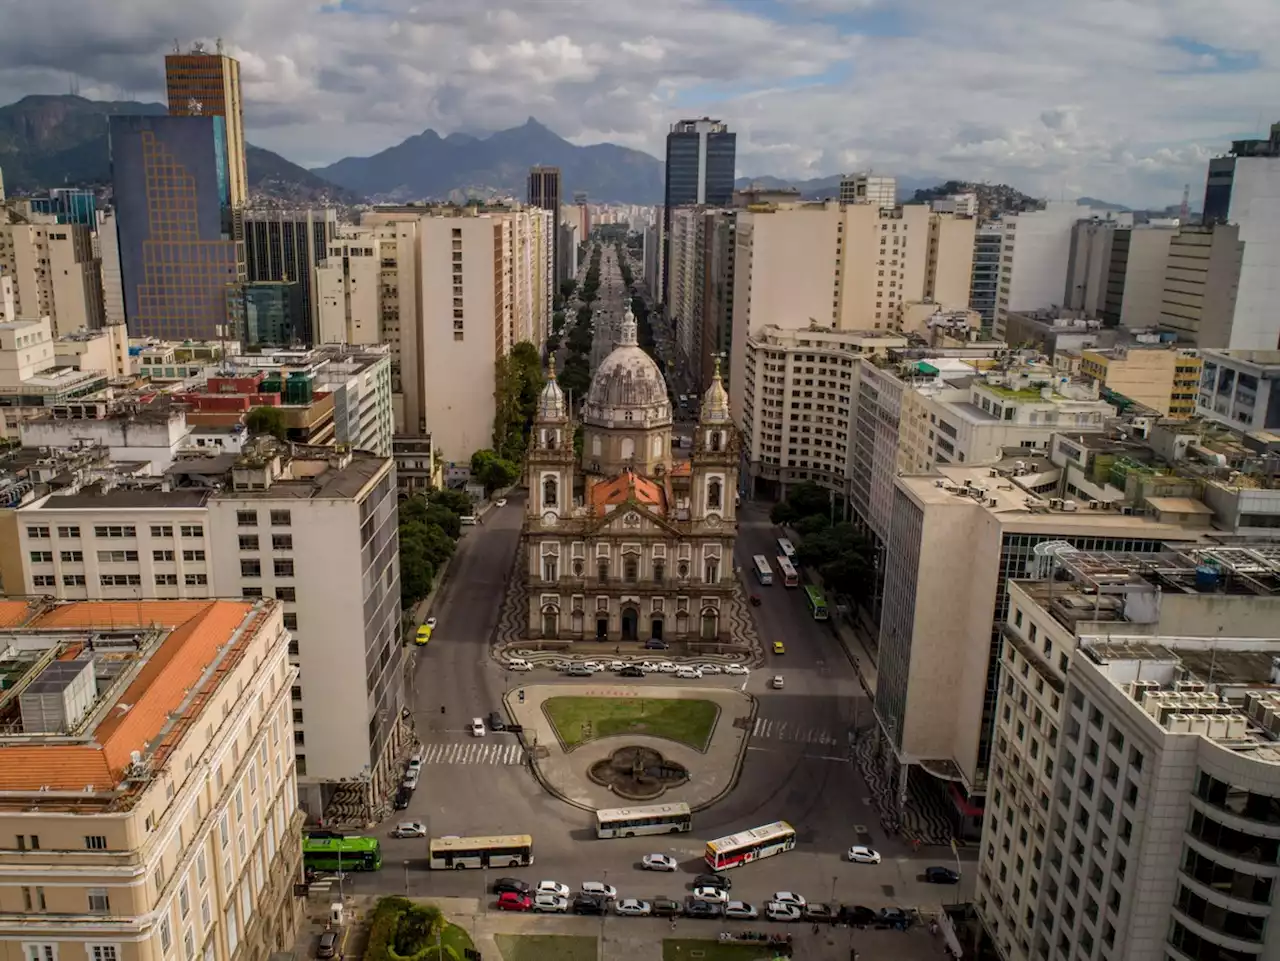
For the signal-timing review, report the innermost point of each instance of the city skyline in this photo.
(808, 84)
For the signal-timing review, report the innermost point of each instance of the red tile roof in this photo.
(625, 487)
(13, 613)
(197, 630)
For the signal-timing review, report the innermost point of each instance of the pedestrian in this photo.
(815, 927)
(441, 708)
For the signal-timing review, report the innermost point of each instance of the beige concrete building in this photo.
(32, 380)
(1135, 276)
(55, 271)
(867, 189)
(1136, 762)
(105, 349)
(312, 527)
(147, 789)
(846, 267)
(1164, 378)
(955, 539)
(107, 247)
(1202, 280)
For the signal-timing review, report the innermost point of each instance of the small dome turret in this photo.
(551, 403)
(715, 402)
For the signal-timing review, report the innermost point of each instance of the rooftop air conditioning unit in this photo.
(1094, 505)
(1069, 505)
(1237, 726)
(1056, 502)
(1179, 723)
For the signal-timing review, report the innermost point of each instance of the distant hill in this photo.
(430, 167)
(1097, 204)
(61, 140)
(993, 199)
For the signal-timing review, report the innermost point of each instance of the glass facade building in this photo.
(71, 205)
(272, 313)
(701, 160)
(287, 245)
(178, 252)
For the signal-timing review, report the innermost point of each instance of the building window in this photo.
(713, 571)
(246, 518)
(631, 569)
(73, 580)
(550, 491)
(191, 530)
(281, 518)
(250, 567)
(113, 530)
(549, 569)
(103, 952)
(38, 532)
(193, 555)
(659, 571)
(714, 493)
(197, 580)
(44, 580)
(282, 542)
(95, 842)
(99, 901)
(71, 531)
(291, 621)
(162, 556)
(166, 935)
(41, 952)
(286, 594)
(248, 542)
(73, 557)
(283, 567)
(166, 580)
(161, 530)
(117, 557)
(42, 557)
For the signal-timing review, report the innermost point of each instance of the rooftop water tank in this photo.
(1207, 577)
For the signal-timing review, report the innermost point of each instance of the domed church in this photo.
(626, 544)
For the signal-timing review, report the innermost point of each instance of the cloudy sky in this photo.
(1119, 99)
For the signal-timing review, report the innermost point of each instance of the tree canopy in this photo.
(518, 384)
(843, 555)
(267, 420)
(429, 529)
(493, 471)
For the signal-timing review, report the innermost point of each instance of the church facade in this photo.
(626, 544)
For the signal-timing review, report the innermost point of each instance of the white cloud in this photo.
(1094, 95)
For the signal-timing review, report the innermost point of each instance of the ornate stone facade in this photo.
(628, 545)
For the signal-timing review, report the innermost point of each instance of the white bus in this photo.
(653, 819)
(764, 574)
(790, 577)
(497, 851)
(786, 550)
(747, 846)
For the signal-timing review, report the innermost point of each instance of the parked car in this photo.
(403, 796)
(477, 727)
(713, 894)
(328, 946)
(631, 670)
(941, 875)
(735, 669)
(633, 907)
(856, 914)
(409, 829)
(415, 759)
(894, 917)
(713, 881)
(658, 862)
(649, 667)
(776, 682)
(665, 907)
(598, 889)
(694, 908)
(789, 897)
(512, 885)
(616, 665)
(741, 911)
(861, 854)
(496, 723)
(411, 778)
(586, 904)
(665, 667)
(653, 644)
(550, 904)
(510, 901)
(819, 912)
(518, 664)
(778, 911)
(553, 887)
(593, 666)
(689, 673)
(578, 670)
(709, 668)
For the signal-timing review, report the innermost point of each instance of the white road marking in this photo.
(473, 752)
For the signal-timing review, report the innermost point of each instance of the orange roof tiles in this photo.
(681, 469)
(14, 613)
(625, 487)
(198, 629)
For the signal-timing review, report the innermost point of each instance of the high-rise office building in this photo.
(178, 250)
(988, 240)
(203, 84)
(287, 245)
(866, 189)
(701, 157)
(544, 192)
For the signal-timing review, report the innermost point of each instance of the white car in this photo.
(599, 889)
(415, 760)
(518, 664)
(740, 910)
(430, 622)
(789, 897)
(735, 669)
(861, 854)
(410, 829)
(500, 502)
(665, 667)
(477, 727)
(708, 893)
(709, 668)
(689, 673)
(593, 666)
(649, 667)
(776, 682)
(553, 887)
(633, 907)
(780, 911)
(411, 778)
(617, 665)
(550, 904)
(658, 862)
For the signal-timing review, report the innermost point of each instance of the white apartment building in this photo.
(32, 379)
(1033, 264)
(105, 349)
(315, 529)
(150, 434)
(846, 267)
(1241, 388)
(55, 270)
(867, 189)
(149, 800)
(956, 537)
(1136, 764)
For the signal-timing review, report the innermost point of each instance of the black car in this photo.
(510, 886)
(693, 908)
(857, 914)
(665, 907)
(656, 645)
(939, 875)
(589, 904)
(403, 795)
(713, 881)
(631, 671)
(496, 723)
(819, 912)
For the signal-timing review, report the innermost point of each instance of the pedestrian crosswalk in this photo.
(793, 733)
(472, 752)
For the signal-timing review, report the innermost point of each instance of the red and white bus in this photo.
(790, 577)
(747, 846)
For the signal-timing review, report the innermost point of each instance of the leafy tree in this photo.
(553, 343)
(579, 340)
(493, 471)
(557, 322)
(567, 287)
(267, 420)
(584, 316)
(808, 498)
(576, 376)
(577, 442)
(812, 524)
(457, 502)
(445, 519)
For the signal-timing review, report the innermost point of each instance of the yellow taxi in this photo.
(779, 647)
(424, 634)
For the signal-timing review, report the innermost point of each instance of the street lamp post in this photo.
(406, 877)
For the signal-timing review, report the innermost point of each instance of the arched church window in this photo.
(551, 439)
(714, 492)
(716, 440)
(550, 491)
(627, 415)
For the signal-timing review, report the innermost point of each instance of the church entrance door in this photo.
(602, 628)
(656, 632)
(630, 624)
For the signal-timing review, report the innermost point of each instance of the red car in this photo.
(510, 901)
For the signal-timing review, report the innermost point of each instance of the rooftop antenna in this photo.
(1184, 212)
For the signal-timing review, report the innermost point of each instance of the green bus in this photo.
(341, 853)
(817, 603)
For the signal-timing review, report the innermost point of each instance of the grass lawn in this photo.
(674, 949)
(545, 947)
(687, 721)
(453, 937)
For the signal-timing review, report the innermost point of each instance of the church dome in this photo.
(627, 386)
(715, 402)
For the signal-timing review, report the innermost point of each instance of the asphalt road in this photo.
(797, 766)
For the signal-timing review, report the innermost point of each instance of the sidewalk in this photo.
(564, 774)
